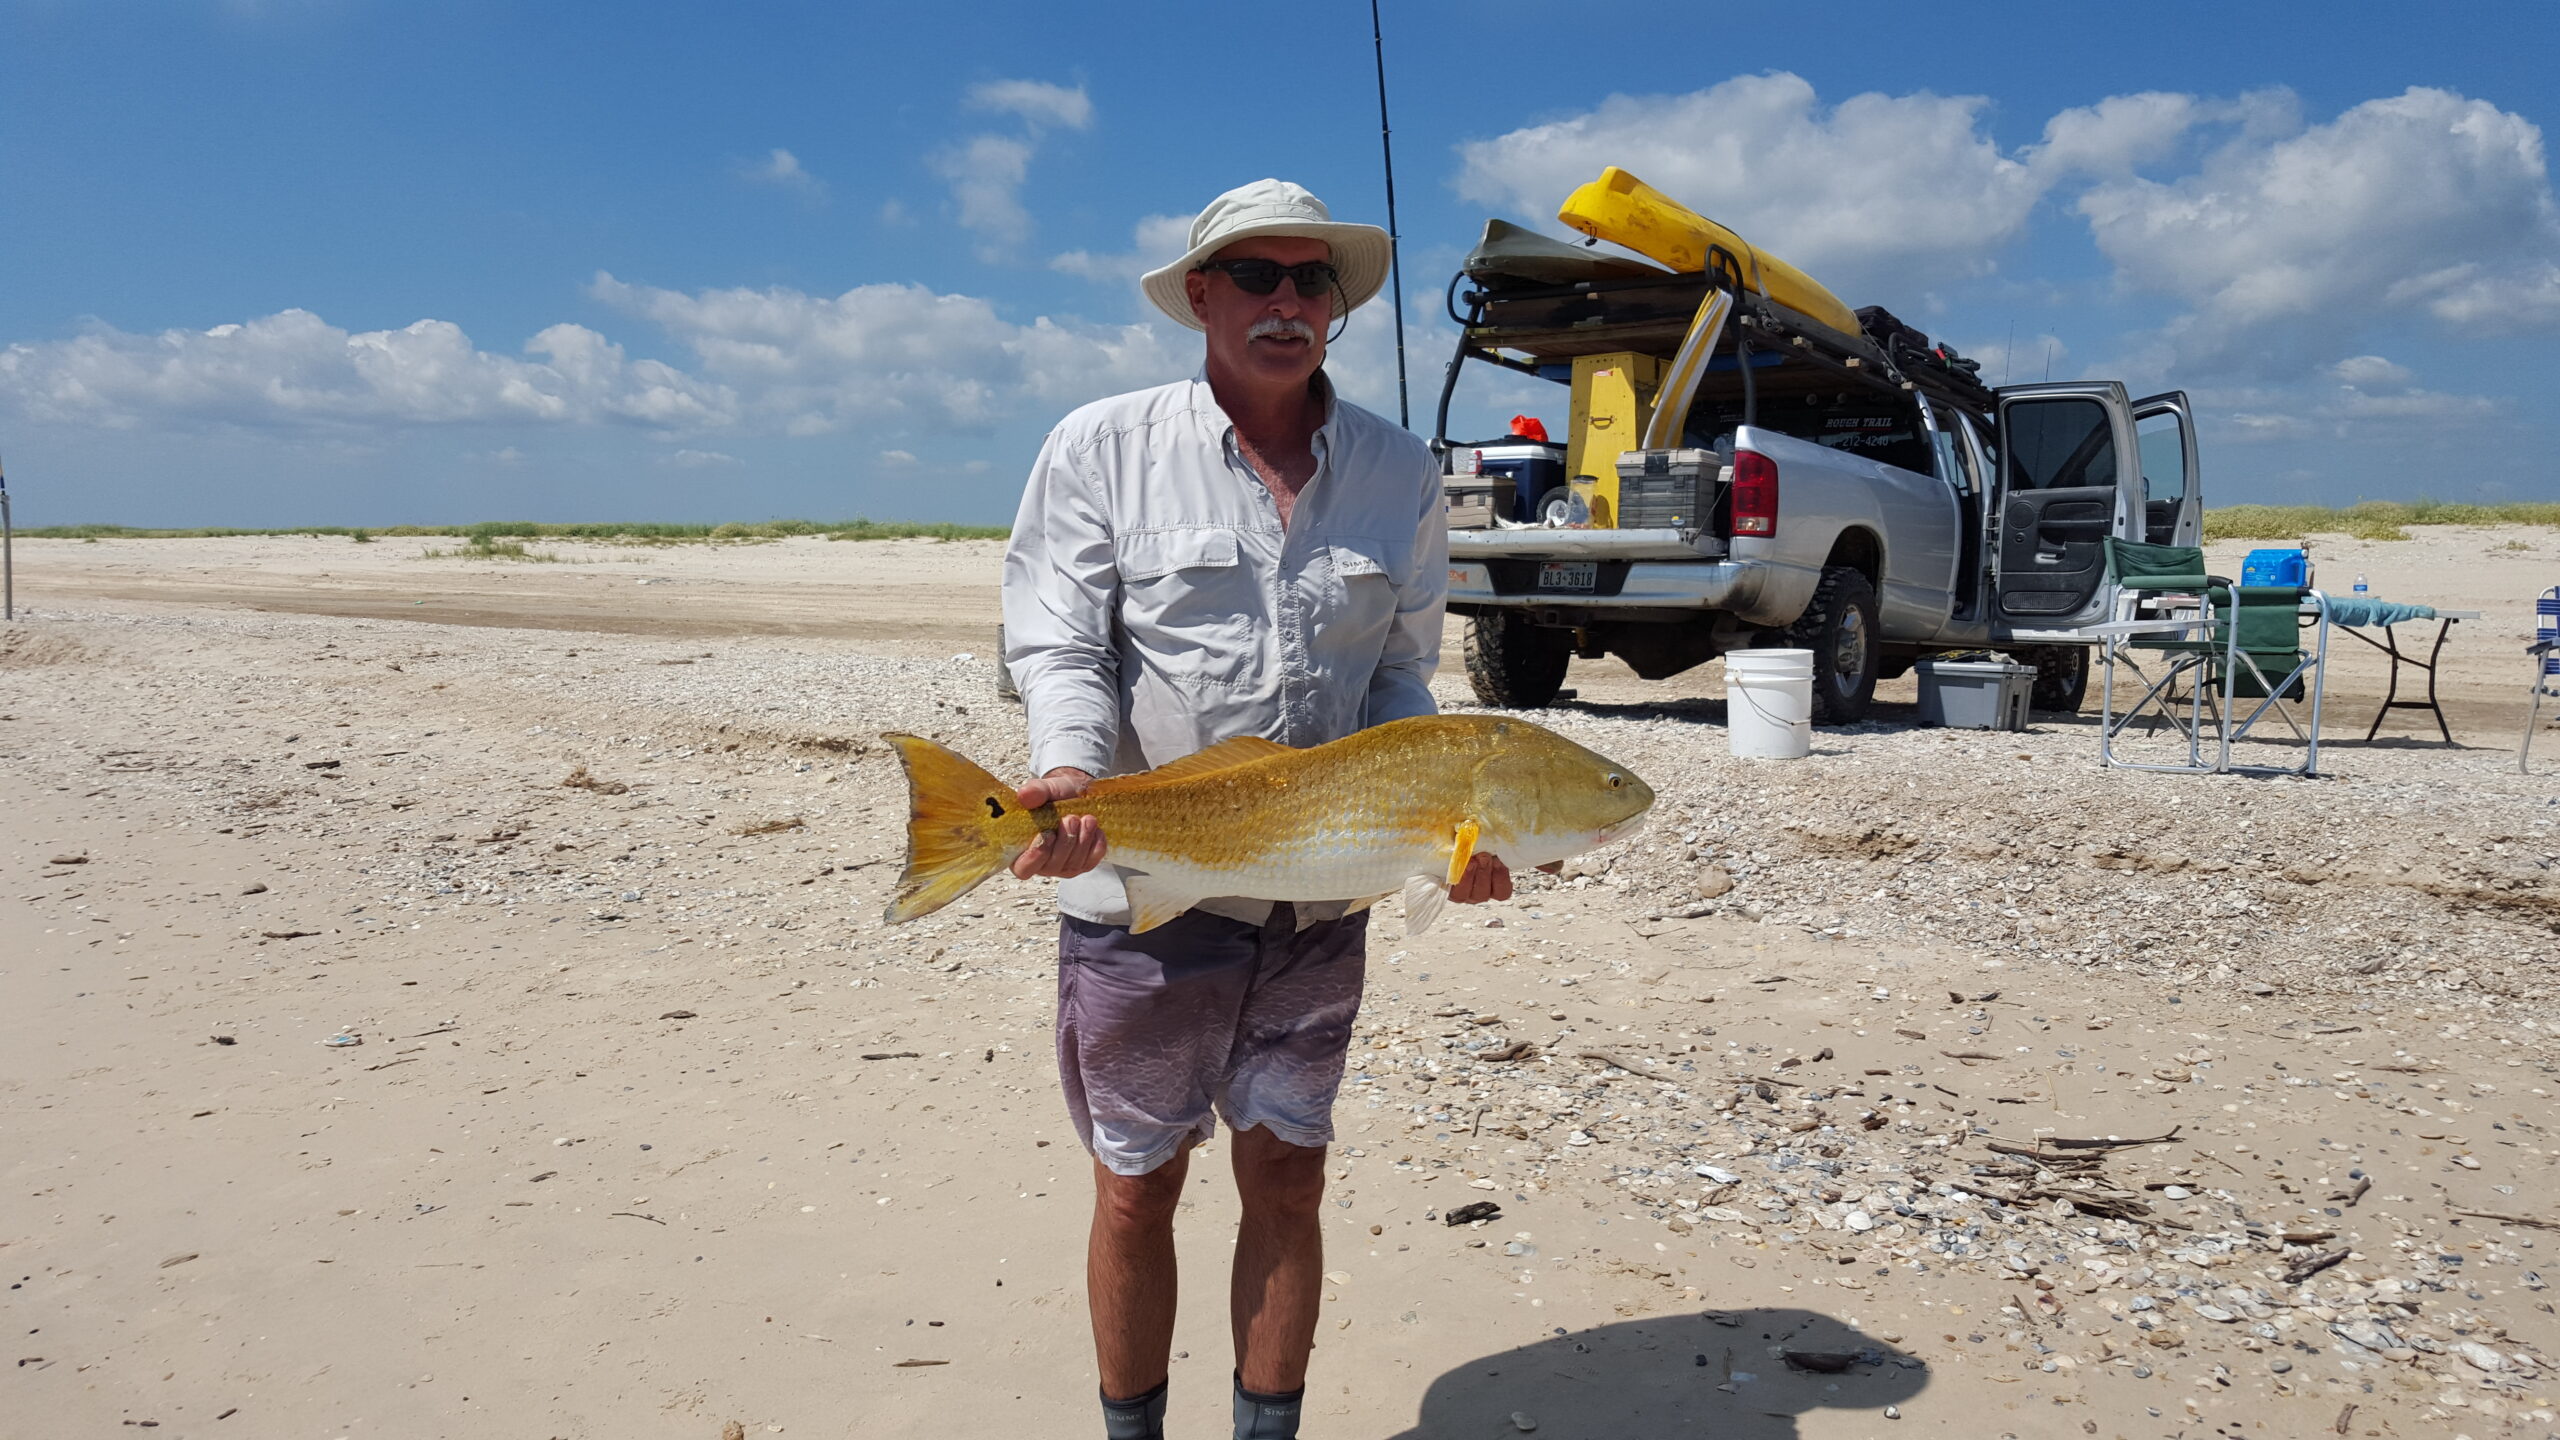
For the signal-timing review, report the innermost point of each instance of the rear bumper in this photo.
(1692, 585)
(1544, 544)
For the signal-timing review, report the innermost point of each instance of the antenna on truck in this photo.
(1395, 263)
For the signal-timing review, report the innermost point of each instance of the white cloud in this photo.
(2518, 298)
(783, 171)
(2362, 400)
(1156, 240)
(2371, 372)
(2116, 134)
(700, 460)
(777, 361)
(295, 369)
(811, 364)
(2420, 203)
(1879, 192)
(900, 458)
(1036, 102)
(2261, 427)
(2356, 404)
(986, 174)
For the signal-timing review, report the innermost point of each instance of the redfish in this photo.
(1397, 808)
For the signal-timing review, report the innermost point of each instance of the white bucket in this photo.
(1769, 703)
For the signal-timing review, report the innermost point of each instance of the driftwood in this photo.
(2044, 1149)
(2526, 1220)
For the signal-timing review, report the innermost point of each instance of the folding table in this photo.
(2354, 613)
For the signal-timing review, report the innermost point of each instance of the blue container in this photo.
(2276, 567)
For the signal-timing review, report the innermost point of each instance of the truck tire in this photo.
(1840, 628)
(2062, 677)
(1513, 664)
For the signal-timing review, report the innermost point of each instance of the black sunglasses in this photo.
(1261, 277)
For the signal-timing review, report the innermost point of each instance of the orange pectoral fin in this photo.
(1461, 850)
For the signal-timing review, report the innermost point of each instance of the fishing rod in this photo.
(1395, 260)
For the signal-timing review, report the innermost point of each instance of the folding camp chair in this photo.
(2266, 639)
(2545, 651)
(2161, 651)
(2238, 637)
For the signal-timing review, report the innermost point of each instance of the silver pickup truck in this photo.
(1862, 496)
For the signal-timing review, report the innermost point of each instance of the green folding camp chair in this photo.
(2153, 584)
(2223, 652)
(2265, 639)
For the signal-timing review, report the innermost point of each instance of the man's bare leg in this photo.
(1279, 1272)
(1129, 1275)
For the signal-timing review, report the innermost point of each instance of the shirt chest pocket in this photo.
(1188, 604)
(1360, 557)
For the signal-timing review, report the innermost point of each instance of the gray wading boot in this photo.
(1267, 1417)
(1140, 1417)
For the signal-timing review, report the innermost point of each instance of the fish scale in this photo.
(1396, 806)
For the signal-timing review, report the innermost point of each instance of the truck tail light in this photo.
(1755, 494)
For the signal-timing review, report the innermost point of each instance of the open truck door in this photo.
(2164, 427)
(2067, 482)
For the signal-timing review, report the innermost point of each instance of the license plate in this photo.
(1568, 574)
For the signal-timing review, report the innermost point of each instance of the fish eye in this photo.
(1617, 781)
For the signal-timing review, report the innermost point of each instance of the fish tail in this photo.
(957, 833)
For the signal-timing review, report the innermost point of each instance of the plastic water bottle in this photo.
(2361, 591)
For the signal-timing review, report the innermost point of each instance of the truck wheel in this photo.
(1513, 664)
(1840, 628)
(2062, 677)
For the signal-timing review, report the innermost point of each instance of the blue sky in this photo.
(273, 262)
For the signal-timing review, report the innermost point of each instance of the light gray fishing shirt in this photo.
(1154, 605)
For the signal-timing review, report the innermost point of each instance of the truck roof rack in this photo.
(1528, 302)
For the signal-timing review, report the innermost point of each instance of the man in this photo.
(1240, 553)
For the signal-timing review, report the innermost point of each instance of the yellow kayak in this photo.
(1623, 210)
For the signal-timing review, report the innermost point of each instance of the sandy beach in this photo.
(639, 1123)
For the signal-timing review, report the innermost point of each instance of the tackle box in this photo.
(1667, 489)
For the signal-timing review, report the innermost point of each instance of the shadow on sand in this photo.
(1671, 1375)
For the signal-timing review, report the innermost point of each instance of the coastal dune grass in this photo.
(2370, 520)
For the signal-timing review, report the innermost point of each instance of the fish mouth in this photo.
(1623, 828)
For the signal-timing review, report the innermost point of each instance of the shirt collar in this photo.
(1206, 400)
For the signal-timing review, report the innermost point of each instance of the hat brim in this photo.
(1360, 253)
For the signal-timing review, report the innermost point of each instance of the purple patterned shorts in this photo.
(1204, 1013)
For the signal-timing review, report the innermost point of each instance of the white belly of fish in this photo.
(1337, 866)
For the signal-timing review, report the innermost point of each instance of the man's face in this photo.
(1274, 340)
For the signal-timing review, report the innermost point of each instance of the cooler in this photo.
(1532, 468)
(1989, 694)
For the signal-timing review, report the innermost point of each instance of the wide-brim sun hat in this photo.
(1273, 207)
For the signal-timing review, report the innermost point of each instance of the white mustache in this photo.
(1271, 325)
